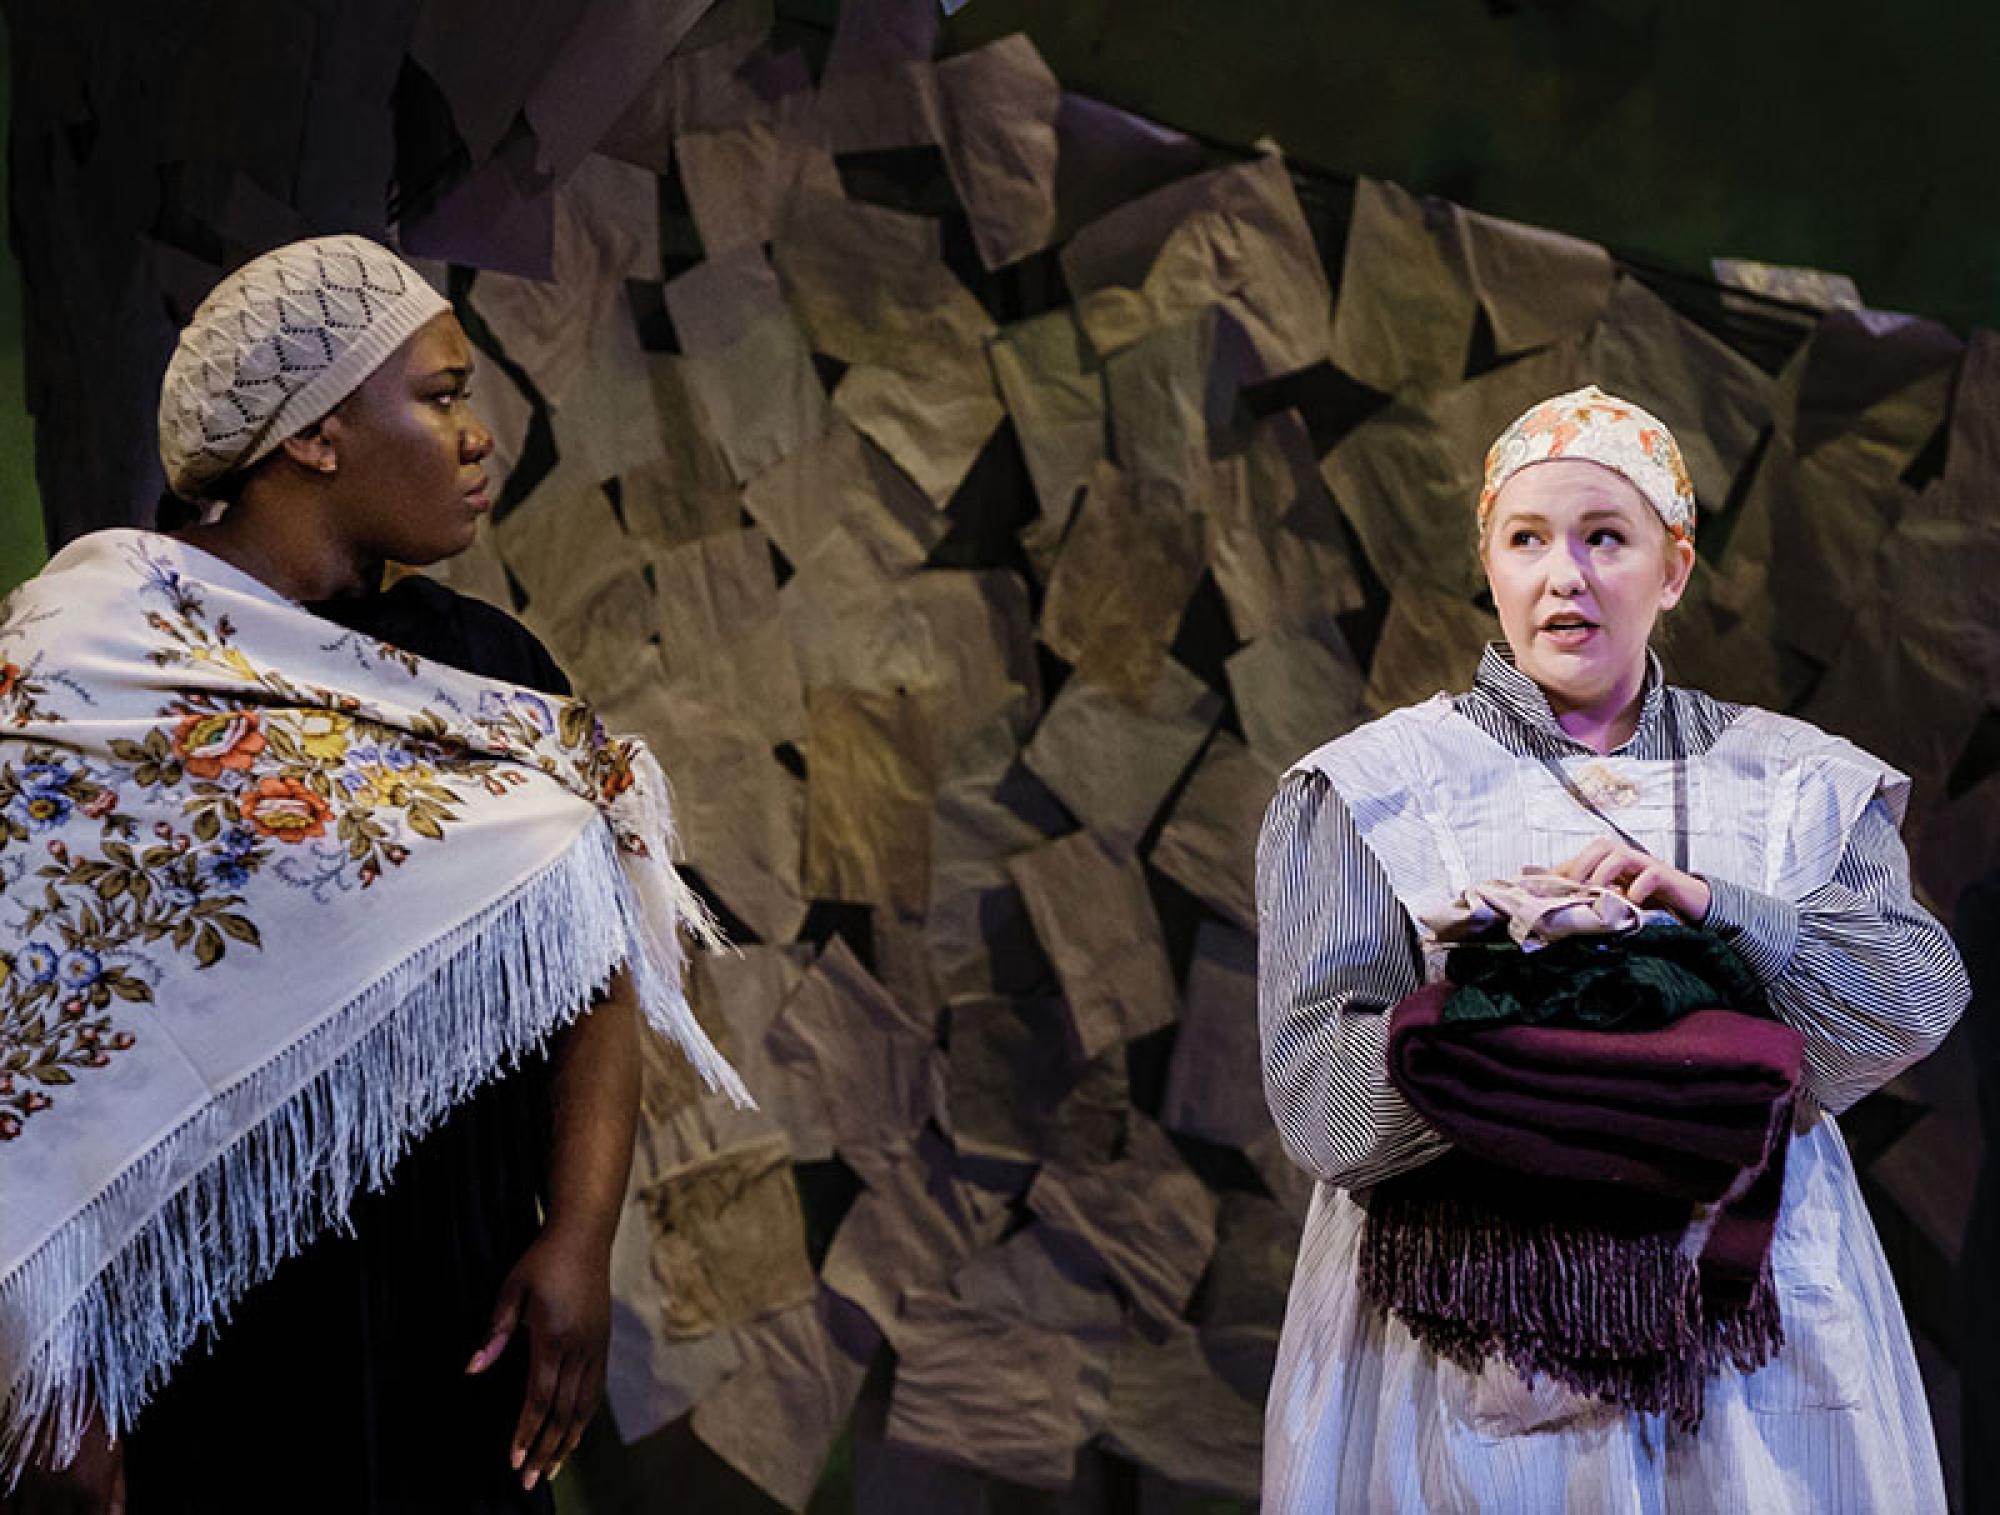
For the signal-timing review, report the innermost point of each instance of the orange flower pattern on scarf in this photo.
(1594, 427)
(306, 772)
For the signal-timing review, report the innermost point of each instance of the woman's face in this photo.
(407, 449)
(1580, 568)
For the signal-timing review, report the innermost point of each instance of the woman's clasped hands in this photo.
(1639, 876)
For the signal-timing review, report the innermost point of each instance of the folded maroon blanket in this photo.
(1554, 1235)
(1680, 1111)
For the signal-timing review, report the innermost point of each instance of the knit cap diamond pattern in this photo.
(278, 344)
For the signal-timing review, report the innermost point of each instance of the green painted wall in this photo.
(22, 546)
(1848, 135)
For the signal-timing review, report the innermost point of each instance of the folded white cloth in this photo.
(1538, 908)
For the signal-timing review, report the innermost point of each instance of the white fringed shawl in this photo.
(273, 896)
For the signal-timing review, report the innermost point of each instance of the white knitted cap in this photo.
(276, 345)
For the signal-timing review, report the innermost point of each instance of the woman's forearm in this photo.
(1333, 957)
(1857, 966)
(596, 1114)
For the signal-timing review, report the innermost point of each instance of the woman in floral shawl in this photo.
(303, 879)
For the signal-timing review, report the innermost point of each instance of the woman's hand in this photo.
(561, 1287)
(1641, 878)
(93, 1484)
(561, 1291)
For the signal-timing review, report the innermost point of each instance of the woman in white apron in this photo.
(1571, 753)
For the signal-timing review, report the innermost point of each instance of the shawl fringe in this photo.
(330, 1115)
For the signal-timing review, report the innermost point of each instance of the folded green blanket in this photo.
(1636, 982)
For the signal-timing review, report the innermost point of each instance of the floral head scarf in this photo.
(1595, 427)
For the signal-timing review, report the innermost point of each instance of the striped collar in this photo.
(1519, 700)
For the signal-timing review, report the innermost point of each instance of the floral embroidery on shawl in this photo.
(272, 776)
(270, 904)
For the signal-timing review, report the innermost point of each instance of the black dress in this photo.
(339, 1384)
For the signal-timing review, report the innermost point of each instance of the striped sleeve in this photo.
(1335, 951)
(1858, 966)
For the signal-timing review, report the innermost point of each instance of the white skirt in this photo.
(1363, 1418)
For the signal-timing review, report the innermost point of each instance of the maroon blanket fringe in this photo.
(1618, 1315)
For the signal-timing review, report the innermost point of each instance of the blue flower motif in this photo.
(41, 810)
(180, 896)
(79, 968)
(227, 869)
(164, 580)
(37, 963)
(532, 707)
(39, 799)
(376, 756)
(227, 863)
(39, 779)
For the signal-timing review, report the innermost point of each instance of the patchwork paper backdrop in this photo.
(978, 496)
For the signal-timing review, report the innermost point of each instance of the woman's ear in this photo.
(312, 449)
(1680, 567)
